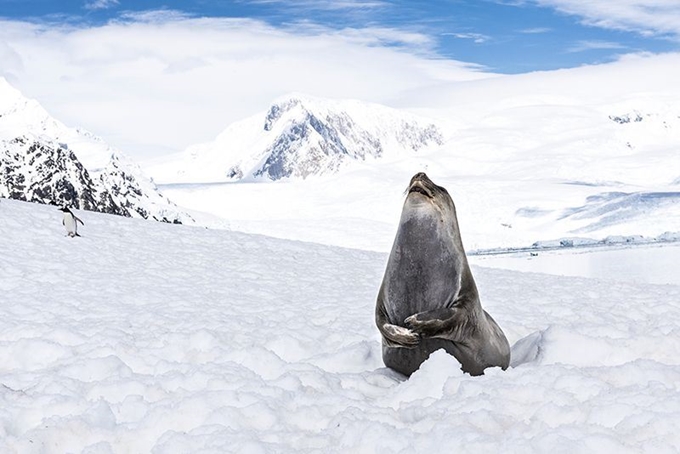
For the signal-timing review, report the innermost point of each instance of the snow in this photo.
(359, 207)
(309, 135)
(535, 157)
(24, 121)
(148, 337)
(20, 115)
(654, 263)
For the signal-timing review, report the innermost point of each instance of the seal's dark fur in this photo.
(428, 299)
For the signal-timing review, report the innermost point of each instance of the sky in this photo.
(506, 36)
(153, 77)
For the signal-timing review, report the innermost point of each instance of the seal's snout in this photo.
(420, 176)
(421, 184)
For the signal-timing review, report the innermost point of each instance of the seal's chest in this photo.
(419, 285)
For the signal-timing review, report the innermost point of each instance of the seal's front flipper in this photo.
(398, 336)
(443, 323)
(393, 335)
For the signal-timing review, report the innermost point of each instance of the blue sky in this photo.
(506, 36)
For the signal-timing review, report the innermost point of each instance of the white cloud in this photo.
(329, 5)
(511, 2)
(161, 81)
(536, 30)
(152, 16)
(478, 38)
(100, 4)
(647, 17)
(586, 45)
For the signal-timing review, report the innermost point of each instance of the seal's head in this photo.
(424, 196)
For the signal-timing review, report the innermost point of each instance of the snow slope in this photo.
(653, 263)
(360, 207)
(43, 160)
(147, 337)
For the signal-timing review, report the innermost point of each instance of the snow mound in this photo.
(149, 337)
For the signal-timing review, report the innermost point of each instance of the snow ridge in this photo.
(301, 136)
(44, 161)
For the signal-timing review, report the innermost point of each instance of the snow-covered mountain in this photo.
(523, 167)
(300, 136)
(44, 161)
(37, 171)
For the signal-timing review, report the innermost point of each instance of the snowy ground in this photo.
(360, 207)
(145, 337)
(642, 264)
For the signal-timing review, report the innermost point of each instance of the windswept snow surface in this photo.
(146, 337)
(643, 263)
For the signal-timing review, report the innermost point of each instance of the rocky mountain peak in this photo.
(299, 136)
(314, 137)
(278, 109)
(42, 160)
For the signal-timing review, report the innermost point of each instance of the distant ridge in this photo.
(300, 136)
(44, 161)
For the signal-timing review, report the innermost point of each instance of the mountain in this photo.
(37, 171)
(522, 167)
(300, 136)
(44, 161)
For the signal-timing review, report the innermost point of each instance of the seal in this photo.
(428, 299)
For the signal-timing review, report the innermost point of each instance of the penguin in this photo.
(70, 221)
